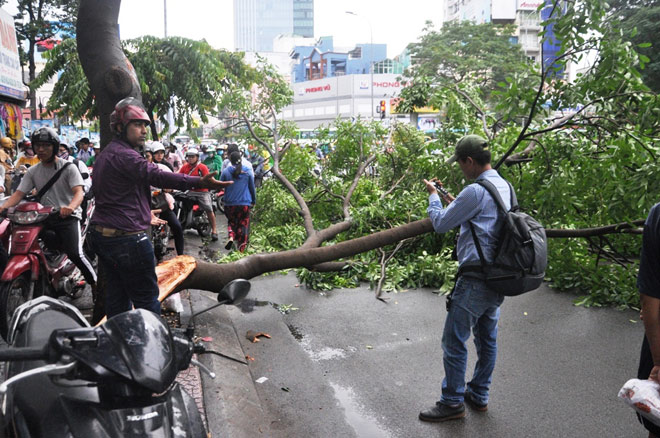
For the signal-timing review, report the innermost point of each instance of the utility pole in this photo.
(371, 60)
(170, 112)
(165, 17)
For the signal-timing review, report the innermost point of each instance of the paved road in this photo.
(345, 364)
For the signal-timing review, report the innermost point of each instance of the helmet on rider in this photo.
(210, 148)
(46, 135)
(157, 146)
(6, 143)
(192, 151)
(63, 151)
(127, 110)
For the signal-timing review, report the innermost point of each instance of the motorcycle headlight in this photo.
(27, 217)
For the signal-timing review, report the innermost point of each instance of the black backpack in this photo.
(521, 253)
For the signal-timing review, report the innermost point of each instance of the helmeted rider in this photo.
(213, 161)
(158, 152)
(6, 161)
(173, 156)
(122, 186)
(65, 194)
(64, 152)
(202, 196)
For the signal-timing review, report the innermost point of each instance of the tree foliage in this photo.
(640, 22)
(482, 54)
(189, 76)
(37, 21)
(582, 155)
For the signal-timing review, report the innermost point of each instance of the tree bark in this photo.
(110, 74)
(212, 277)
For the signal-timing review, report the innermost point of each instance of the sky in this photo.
(395, 23)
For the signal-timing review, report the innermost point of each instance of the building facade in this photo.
(320, 102)
(322, 60)
(523, 13)
(258, 22)
(303, 18)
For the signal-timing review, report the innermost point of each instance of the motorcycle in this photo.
(190, 214)
(67, 379)
(35, 266)
(218, 198)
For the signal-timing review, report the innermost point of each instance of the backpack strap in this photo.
(193, 169)
(490, 188)
(51, 181)
(495, 194)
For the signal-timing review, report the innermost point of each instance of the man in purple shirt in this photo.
(121, 186)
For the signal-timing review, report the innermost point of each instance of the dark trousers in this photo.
(645, 367)
(176, 228)
(130, 269)
(68, 232)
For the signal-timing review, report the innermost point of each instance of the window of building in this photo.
(388, 66)
(529, 19)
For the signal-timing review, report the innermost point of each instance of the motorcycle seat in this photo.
(36, 332)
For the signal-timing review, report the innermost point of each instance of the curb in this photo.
(233, 407)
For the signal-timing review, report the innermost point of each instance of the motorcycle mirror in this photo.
(234, 292)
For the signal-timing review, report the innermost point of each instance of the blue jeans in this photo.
(476, 308)
(130, 267)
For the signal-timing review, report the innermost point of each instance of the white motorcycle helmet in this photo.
(192, 151)
(157, 146)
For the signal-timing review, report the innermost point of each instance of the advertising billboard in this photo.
(11, 81)
(529, 5)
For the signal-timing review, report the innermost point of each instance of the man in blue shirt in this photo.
(472, 305)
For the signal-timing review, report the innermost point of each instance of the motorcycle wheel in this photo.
(160, 240)
(203, 228)
(220, 204)
(12, 294)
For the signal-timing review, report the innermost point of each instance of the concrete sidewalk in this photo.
(233, 407)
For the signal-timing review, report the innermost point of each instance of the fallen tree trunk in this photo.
(212, 276)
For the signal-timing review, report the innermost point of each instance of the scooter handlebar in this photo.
(23, 354)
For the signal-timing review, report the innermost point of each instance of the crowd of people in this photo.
(120, 180)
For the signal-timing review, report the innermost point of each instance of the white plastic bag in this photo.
(173, 303)
(644, 397)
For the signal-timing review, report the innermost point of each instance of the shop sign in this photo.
(529, 5)
(11, 82)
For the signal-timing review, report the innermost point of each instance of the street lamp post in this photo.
(371, 60)
(170, 112)
(165, 17)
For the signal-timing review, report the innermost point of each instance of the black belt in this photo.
(112, 232)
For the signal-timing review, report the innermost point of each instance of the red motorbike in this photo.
(36, 265)
(218, 198)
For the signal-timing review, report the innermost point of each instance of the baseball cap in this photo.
(468, 146)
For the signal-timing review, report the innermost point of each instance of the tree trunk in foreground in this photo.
(111, 76)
